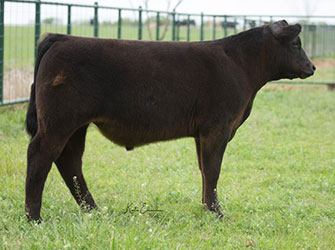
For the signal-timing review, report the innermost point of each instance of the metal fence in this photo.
(22, 22)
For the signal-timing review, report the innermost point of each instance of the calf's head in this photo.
(291, 59)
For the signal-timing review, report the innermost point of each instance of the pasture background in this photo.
(22, 22)
(19, 53)
(276, 187)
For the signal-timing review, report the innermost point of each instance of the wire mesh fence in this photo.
(23, 21)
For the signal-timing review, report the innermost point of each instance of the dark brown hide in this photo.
(139, 92)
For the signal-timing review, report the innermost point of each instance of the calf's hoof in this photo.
(33, 214)
(36, 219)
(215, 208)
(87, 208)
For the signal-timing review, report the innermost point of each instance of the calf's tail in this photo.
(31, 118)
(45, 43)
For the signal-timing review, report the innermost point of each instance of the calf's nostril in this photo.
(313, 67)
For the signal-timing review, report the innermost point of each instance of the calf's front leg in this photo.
(212, 148)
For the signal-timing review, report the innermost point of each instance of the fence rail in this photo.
(23, 21)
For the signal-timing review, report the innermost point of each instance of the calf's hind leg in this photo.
(69, 164)
(43, 149)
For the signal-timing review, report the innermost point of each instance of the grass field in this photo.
(277, 186)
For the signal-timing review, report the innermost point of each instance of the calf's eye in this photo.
(296, 46)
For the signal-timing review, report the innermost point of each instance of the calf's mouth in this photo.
(307, 72)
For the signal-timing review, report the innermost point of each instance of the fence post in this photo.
(328, 38)
(188, 27)
(313, 43)
(157, 26)
(2, 31)
(225, 26)
(173, 25)
(68, 31)
(178, 28)
(202, 26)
(95, 20)
(305, 39)
(235, 24)
(324, 38)
(244, 23)
(140, 23)
(119, 24)
(37, 24)
(214, 27)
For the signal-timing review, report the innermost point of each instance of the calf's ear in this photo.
(284, 32)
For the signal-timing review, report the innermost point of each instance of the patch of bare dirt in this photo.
(319, 63)
(16, 83)
(295, 87)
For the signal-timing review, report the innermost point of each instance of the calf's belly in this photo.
(134, 136)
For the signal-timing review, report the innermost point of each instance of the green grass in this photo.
(277, 186)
